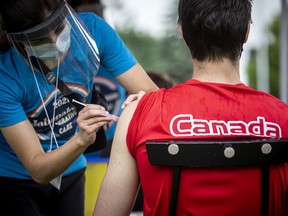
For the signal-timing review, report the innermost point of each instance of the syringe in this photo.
(112, 117)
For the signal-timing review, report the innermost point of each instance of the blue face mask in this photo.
(51, 51)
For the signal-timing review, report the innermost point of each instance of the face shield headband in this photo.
(43, 28)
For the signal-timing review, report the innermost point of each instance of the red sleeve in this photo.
(141, 114)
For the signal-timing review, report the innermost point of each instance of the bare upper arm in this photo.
(121, 181)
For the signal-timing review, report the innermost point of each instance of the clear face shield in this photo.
(62, 44)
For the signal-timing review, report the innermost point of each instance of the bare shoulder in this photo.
(123, 123)
(128, 111)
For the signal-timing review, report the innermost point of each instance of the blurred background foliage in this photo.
(164, 55)
(168, 54)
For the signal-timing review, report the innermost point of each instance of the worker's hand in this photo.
(131, 98)
(90, 119)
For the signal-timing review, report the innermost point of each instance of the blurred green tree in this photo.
(166, 54)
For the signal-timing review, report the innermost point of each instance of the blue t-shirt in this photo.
(20, 98)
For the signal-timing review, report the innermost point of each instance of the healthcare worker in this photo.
(45, 75)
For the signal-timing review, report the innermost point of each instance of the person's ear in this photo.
(247, 32)
(180, 30)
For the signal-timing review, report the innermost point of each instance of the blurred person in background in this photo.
(104, 82)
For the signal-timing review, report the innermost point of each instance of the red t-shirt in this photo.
(199, 110)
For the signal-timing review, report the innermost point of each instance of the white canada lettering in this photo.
(186, 125)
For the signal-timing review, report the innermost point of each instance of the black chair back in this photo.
(192, 153)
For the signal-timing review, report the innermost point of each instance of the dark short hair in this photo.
(19, 15)
(214, 29)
